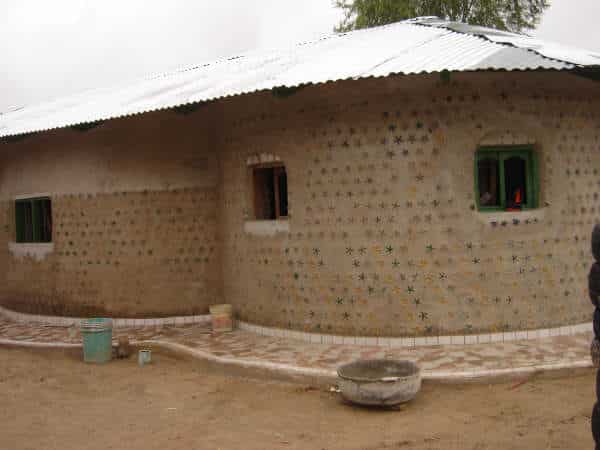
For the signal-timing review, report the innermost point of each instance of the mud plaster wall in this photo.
(134, 206)
(383, 237)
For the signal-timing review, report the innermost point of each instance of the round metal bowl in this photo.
(379, 382)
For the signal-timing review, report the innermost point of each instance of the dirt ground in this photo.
(51, 400)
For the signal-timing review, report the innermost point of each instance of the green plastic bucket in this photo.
(97, 340)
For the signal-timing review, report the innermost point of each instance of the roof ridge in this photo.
(486, 38)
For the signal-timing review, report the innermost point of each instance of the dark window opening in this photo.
(33, 220)
(282, 184)
(515, 174)
(489, 182)
(270, 193)
(506, 178)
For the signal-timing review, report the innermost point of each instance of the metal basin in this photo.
(379, 382)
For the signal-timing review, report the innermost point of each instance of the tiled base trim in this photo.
(394, 342)
(508, 373)
(117, 323)
(268, 366)
(325, 376)
(34, 344)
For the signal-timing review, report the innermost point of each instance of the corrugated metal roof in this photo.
(551, 50)
(422, 45)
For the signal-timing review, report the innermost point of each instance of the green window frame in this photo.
(33, 220)
(501, 154)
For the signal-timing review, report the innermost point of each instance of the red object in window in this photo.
(517, 203)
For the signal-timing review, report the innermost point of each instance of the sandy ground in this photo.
(51, 400)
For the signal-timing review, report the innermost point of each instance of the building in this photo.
(421, 178)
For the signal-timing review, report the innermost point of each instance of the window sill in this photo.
(36, 250)
(266, 227)
(501, 218)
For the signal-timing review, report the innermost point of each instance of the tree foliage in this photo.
(511, 15)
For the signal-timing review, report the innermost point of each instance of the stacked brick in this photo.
(594, 289)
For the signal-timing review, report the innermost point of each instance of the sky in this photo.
(52, 48)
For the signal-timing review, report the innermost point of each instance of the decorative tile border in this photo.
(30, 344)
(394, 342)
(327, 376)
(447, 376)
(390, 342)
(58, 321)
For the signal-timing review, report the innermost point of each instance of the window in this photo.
(506, 178)
(270, 193)
(33, 220)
